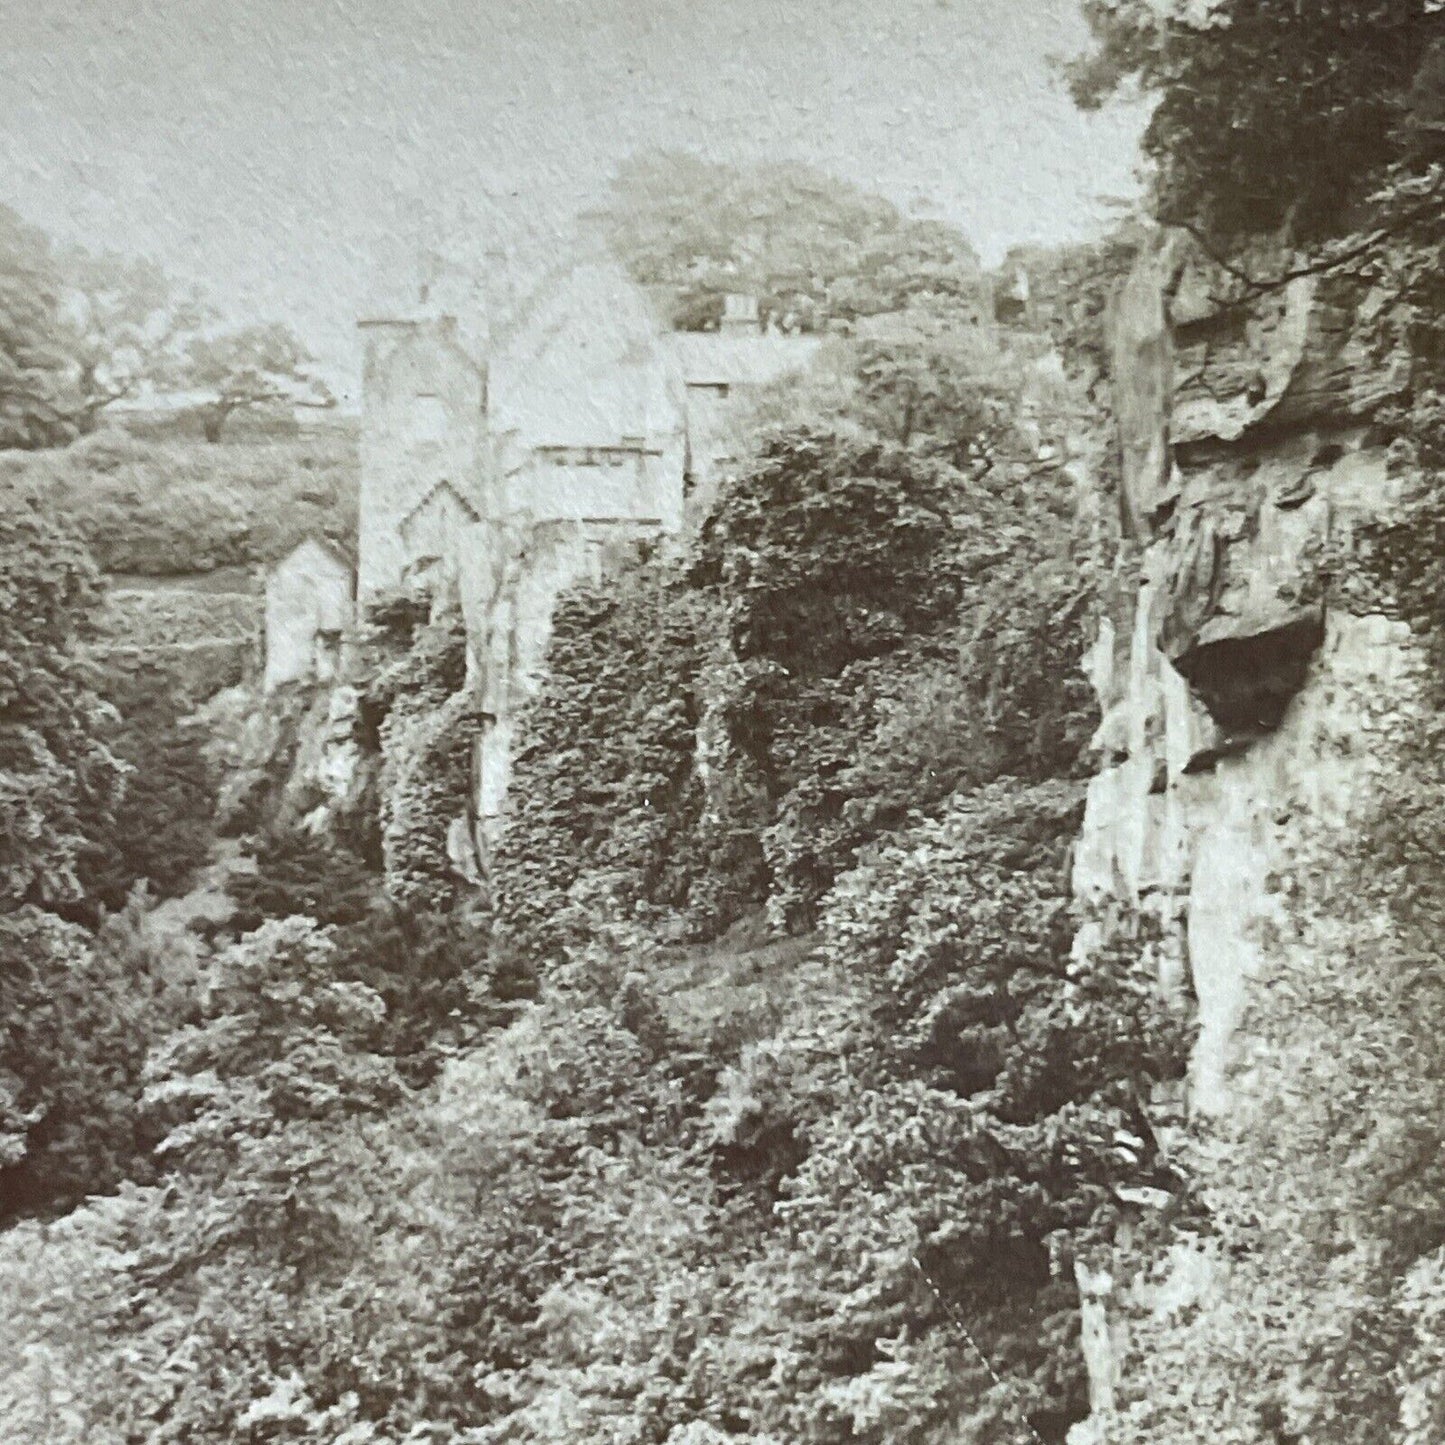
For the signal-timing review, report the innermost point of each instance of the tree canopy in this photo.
(251, 366)
(1273, 114)
(32, 358)
(81, 330)
(124, 325)
(808, 246)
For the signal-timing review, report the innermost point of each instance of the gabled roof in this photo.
(437, 489)
(585, 368)
(324, 545)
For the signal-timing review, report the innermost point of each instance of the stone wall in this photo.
(135, 617)
(423, 426)
(169, 638)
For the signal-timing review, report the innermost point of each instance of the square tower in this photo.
(423, 448)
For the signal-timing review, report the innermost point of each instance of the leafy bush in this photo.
(296, 874)
(846, 654)
(77, 1016)
(161, 508)
(161, 827)
(828, 549)
(1032, 1073)
(426, 723)
(605, 775)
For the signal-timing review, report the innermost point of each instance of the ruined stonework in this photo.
(1242, 691)
(308, 609)
(506, 470)
(422, 445)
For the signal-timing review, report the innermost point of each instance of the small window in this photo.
(429, 418)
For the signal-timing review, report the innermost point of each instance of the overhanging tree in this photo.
(1273, 115)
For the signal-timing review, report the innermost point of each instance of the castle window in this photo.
(428, 418)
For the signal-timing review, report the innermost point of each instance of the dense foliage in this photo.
(59, 775)
(808, 247)
(875, 614)
(160, 827)
(73, 1016)
(81, 331)
(77, 1015)
(426, 723)
(166, 507)
(1273, 113)
(606, 772)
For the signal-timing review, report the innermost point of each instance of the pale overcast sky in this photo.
(281, 151)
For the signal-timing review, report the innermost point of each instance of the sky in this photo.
(293, 156)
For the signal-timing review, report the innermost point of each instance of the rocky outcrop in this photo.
(1241, 685)
(289, 758)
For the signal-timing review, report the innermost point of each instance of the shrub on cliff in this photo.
(1317, 1308)
(162, 824)
(605, 780)
(426, 724)
(296, 874)
(875, 682)
(427, 967)
(828, 548)
(995, 1098)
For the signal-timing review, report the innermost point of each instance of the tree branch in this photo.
(1256, 286)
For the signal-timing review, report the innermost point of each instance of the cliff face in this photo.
(1249, 687)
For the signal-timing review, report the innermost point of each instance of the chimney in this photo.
(740, 315)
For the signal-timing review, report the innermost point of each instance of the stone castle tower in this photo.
(423, 447)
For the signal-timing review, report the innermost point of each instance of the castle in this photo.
(509, 472)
